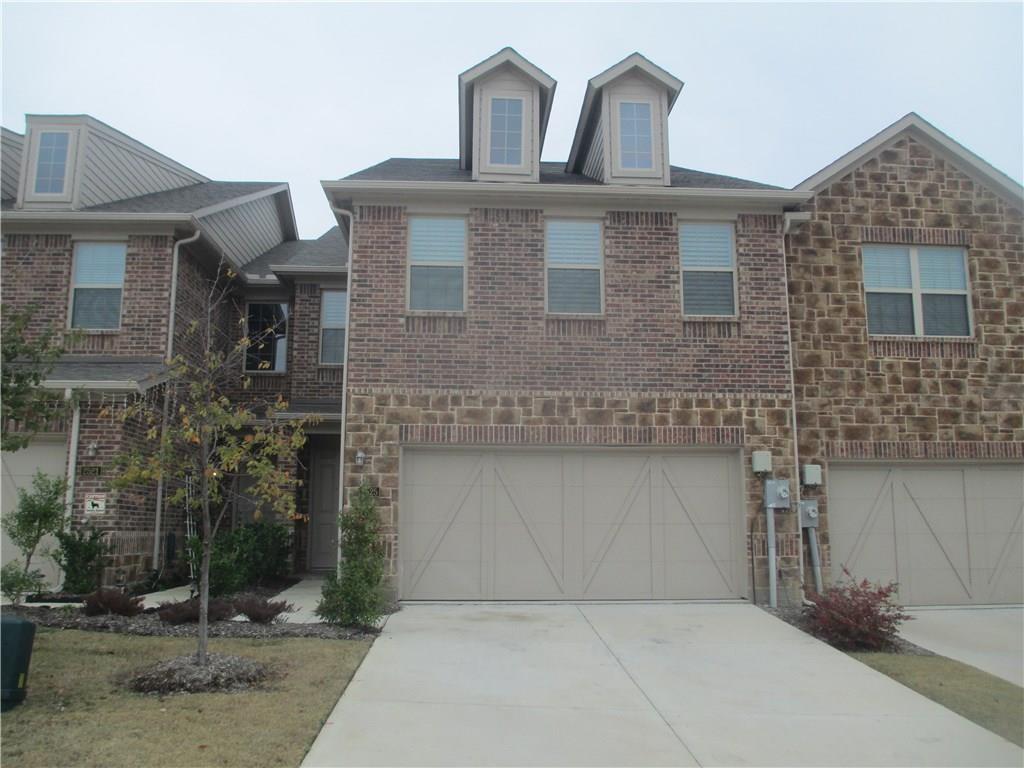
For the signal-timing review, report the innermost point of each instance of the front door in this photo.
(324, 513)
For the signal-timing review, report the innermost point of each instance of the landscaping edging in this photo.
(150, 625)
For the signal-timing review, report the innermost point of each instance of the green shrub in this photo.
(356, 598)
(247, 556)
(80, 554)
(15, 581)
(39, 512)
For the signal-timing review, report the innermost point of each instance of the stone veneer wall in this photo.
(862, 397)
(504, 373)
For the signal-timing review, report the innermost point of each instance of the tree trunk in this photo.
(204, 598)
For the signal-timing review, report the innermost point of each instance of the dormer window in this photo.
(635, 135)
(52, 162)
(506, 131)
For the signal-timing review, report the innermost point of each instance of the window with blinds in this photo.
(437, 262)
(97, 286)
(707, 265)
(574, 267)
(916, 290)
(333, 322)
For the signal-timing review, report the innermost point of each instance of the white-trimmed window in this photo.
(635, 135)
(437, 263)
(707, 263)
(917, 290)
(267, 324)
(506, 131)
(52, 162)
(97, 286)
(333, 322)
(574, 267)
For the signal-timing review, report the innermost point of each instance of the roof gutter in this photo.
(100, 386)
(474, 190)
(100, 217)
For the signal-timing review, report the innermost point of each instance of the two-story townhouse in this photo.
(907, 302)
(105, 237)
(558, 372)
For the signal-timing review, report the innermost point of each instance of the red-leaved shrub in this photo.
(856, 615)
(261, 610)
(187, 611)
(109, 600)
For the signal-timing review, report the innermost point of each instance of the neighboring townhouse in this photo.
(907, 303)
(558, 372)
(108, 238)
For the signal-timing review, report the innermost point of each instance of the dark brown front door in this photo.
(324, 513)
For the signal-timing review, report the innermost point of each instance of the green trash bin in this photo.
(16, 638)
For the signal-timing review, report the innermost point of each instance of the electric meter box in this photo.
(776, 494)
(809, 513)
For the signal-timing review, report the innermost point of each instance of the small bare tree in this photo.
(211, 431)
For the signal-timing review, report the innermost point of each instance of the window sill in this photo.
(435, 323)
(711, 327)
(95, 331)
(574, 326)
(265, 373)
(949, 347)
(435, 313)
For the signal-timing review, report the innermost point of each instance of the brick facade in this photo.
(505, 373)
(861, 397)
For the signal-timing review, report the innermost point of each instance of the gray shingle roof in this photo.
(144, 371)
(436, 169)
(328, 250)
(185, 199)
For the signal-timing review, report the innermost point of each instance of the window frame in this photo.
(32, 171)
(464, 264)
(287, 335)
(527, 134)
(325, 327)
(656, 170)
(73, 285)
(600, 267)
(733, 270)
(917, 293)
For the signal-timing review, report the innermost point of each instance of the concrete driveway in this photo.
(987, 637)
(630, 684)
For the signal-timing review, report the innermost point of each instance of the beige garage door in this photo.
(47, 455)
(949, 534)
(570, 524)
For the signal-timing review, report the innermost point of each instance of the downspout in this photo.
(789, 219)
(76, 423)
(158, 522)
(344, 369)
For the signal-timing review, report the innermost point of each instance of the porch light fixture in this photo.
(90, 450)
(360, 458)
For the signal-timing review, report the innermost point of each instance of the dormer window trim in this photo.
(619, 168)
(34, 156)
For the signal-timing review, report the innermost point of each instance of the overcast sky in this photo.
(304, 92)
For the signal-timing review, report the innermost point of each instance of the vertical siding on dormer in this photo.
(11, 147)
(112, 171)
(593, 163)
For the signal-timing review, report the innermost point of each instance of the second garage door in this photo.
(947, 533)
(570, 524)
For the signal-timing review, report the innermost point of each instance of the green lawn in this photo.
(77, 715)
(985, 699)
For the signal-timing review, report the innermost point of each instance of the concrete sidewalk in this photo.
(990, 638)
(630, 684)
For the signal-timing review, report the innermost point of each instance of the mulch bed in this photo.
(222, 672)
(149, 625)
(795, 615)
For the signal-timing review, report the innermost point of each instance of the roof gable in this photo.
(916, 126)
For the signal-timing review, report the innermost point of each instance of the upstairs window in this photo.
(506, 131)
(707, 261)
(52, 162)
(574, 267)
(635, 135)
(97, 286)
(267, 324)
(916, 291)
(437, 263)
(333, 321)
